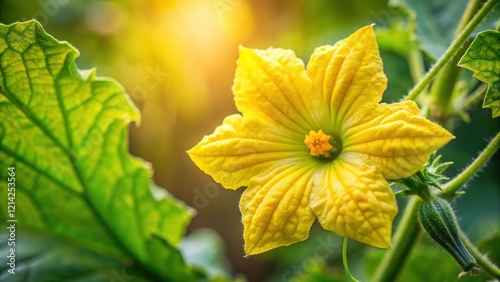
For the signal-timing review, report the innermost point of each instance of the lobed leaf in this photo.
(483, 59)
(65, 132)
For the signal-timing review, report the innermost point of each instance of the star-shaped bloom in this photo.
(316, 143)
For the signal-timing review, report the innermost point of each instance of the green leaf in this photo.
(483, 59)
(490, 246)
(317, 270)
(64, 131)
(397, 37)
(42, 258)
(434, 22)
(205, 248)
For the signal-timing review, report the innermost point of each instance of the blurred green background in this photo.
(176, 60)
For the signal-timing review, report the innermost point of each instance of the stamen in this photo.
(321, 144)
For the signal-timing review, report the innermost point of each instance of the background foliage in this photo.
(176, 60)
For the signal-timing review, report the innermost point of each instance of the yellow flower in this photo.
(315, 143)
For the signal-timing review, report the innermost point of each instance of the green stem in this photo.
(469, 12)
(475, 97)
(449, 189)
(416, 63)
(408, 230)
(452, 49)
(344, 260)
(481, 259)
(404, 239)
(442, 90)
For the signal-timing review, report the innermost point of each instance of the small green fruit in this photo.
(438, 220)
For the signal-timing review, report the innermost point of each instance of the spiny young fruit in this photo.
(438, 220)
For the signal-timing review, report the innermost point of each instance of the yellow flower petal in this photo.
(352, 199)
(243, 147)
(348, 75)
(395, 138)
(272, 85)
(275, 208)
(316, 143)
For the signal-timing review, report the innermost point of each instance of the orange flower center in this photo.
(320, 144)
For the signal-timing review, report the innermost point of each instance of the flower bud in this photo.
(438, 220)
